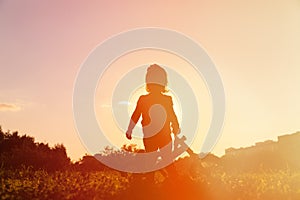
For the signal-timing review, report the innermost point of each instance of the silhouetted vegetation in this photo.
(17, 151)
(31, 170)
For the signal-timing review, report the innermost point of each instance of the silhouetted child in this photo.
(158, 117)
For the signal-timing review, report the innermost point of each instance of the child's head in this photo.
(156, 79)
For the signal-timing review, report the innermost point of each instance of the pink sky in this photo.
(255, 46)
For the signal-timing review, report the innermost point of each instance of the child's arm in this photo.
(134, 119)
(173, 119)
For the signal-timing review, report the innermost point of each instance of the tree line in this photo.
(17, 151)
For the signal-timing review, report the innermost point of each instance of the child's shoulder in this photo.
(143, 97)
(149, 96)
(167, 96)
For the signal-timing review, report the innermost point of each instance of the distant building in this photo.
(289, 148)
(285, 143)
(289, 141)
(283, 152)
(268, 145)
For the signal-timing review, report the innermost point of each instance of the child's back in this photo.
(157, 114)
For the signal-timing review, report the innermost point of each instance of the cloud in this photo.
(9, 107)
(124, 103)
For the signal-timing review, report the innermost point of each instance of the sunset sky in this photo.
(255, 46)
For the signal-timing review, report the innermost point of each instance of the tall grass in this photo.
(38, 184)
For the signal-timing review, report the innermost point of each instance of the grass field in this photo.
(38, 184)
